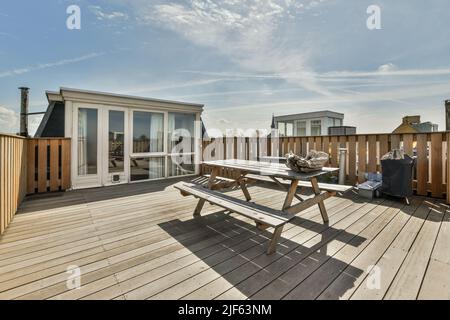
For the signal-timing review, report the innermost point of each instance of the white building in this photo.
(307, 124)
(123, 139)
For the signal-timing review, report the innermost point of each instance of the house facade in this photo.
(119, 139)
(307, 124)
(413, 124)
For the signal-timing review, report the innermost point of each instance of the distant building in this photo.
(307, 124)
(412, 124)
(341, 131)
(447, 114)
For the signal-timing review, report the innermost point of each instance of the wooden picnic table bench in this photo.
(263, 216)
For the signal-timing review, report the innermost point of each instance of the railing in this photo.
(363, 154)
(48, 168)
(13, 161)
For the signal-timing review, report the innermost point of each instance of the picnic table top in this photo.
(268, 169)
(272, 158)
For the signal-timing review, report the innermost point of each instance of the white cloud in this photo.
(388, 67)
(42, 66)
(9, 120)
(174, 85)
(387, 70)
(249, 33)
(103, 15)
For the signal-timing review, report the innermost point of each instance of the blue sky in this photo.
(243, 59)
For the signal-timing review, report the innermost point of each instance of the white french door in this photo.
(87, 152)
(115, 145)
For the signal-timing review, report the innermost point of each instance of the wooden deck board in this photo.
(141, 242)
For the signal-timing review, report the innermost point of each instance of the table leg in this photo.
(291, 194)
(201, 202)
(323, 210)
(274, 241)
(212, 177)
(244, 188)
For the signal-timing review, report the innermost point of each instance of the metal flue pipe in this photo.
(342, 165)
(24, 111)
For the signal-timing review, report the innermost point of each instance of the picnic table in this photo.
(276, 171)
(263, 216)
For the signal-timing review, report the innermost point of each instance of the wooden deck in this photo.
(140, 242)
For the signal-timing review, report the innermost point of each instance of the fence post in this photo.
(342, 165)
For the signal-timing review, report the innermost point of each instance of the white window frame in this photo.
(105, 150)
(88, 180)
(317, 126)
(133, 155)
(297, 126)
(165, 154)
(192, 154)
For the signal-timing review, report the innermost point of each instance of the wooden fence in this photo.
(29, 166)
(363, 154)
(48, 168)
(13, 161)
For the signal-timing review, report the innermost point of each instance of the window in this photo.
(160, 151)
(147, 168)
(337, 122)
(181, 165)
(301, 128)
(116, 141)
(87, 141)
(316, 127)
(289, 129)
(181, 144)
(181, 133)
(148, 132)
(146, 161)
(282, 128)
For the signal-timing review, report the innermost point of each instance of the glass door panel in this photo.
(148, 132)
(181, 144)
(147, 168)
(87, 141)
(147, 161)
(116, 141)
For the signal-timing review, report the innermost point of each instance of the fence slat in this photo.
(362, 158)
(311, 144)
(352, 159)
(408, 143)
(384, 144)
(395, 141)
(31, 168)
(42, 165)
(334, 151)
(304, 146)
(422, 165)
(372, 142)
(319, 146)
(436, 165)
(54, 165)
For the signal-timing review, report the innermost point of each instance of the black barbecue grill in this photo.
(398, 177)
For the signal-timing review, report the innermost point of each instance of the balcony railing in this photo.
(363, 154)
(29, 166)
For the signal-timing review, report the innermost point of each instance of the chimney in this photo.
(24, 111)
(447, 114)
